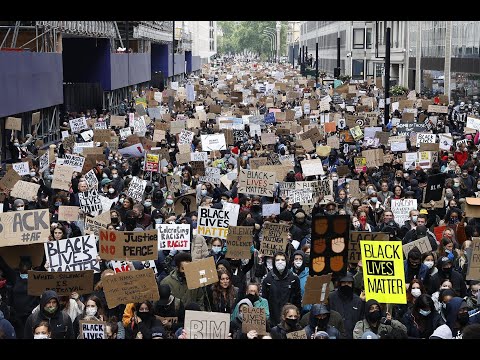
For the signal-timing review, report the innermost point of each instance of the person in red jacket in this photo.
(461, 155)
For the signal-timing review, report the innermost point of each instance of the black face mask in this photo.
(346, 291)
(292, 323)
(463, 318)
(306, 260)
(322, 323)
(143, 315)
(252, 298)
(447, 271)
(373, 317)
(131, 221)
(181, 275)
(398, 178)
(114, 220)
(256, 207)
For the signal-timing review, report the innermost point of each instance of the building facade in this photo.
(204, 39)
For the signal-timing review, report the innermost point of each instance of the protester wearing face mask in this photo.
(410, 224)
(429, 259)
(457, 316)
(421, 320)
(42, 330)
(217, 250)
(168, 209)
(377, 323)
(300, 269)
(414, 268)
(178, 284)
(19, 205)
(142, 322)
(279, 287)
(290, 317)
(319, 319)
(446, 271)
(117, 182)
(442, 296)
(415, 289)
(60, 322)
(93, 311)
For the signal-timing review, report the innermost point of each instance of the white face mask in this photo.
(428, 264)
(280, 265)
(115, 176)
(334, 178)
(416, 293)
(269, 263)
(111, 190)
(91, 311)
(41, 336)
(104, 176)
(32, 174)
(298, 263)
(204, 192)
(414, 219)
(20, 208)
(216, 249)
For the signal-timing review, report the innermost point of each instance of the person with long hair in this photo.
(142, 322)
(289, 322)
(222, 296)
(422, 319)
(93, 311)
(414, 291)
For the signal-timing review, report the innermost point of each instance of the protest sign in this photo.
(125, 133)
(135, 150)
(233, 210)
(212, 175)
(158, 135)
(360, 164)
(118, 121)
(239, 241)
(151, 162)
(374, 157)
(473, 272)
(72, 254)
(401, 209)
(93, 224)
(255, 182)
(316, 289)
(201, 273)
(275, 238)
(91, 179)
(213, 142)
(383, 271)
(136, 188)
(173, 236)
(131, 245)
(9, 179)
(76, 162)
(203, 325)
(438, 109)
(213, 222)
(198, 168)
(422, 244)
(254, 318)
(329, 251)
(22, 168)
(185, 203)
(123, 265)
(434, 189)
(199, 156)
(270, 209)
(24, 227)
(268, 138)
(102, 135)
(312, 167)
(62, 177)
(185, 137)
(255, 163)
(130, 287)
(90, 329)
(44, 162)
(63, 283)
(13, 123)
(79, 124)
(68, 213)
(90, 201)
(25, 190)
(354, 253)
(297, 335)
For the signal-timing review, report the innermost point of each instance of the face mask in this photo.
(91, 311)
(32, 174)
(463, 318)
(130, 176)
(416, 293)
(269, 264)
(298, 263)
(456, 185)
(20, 208)
(114, 166)
(143, 315)
(369, 191)
(331, 212)
(405, 176)
(147, 203)
(216, 249)
(223, 201)
(414, 219)
(158, 221)
(448, 195)
(58, 203)
(398, 178)
(169, 202)
(104, 176)
(280, 265)
(373, 199)
(110, 157)
(356, 224)
(292, 323)
(447, 271)
(115, 176)
(24, 276)
(346, 291)
(40, 336)
(252, 298)
(374, 316)
(204, 192)
(111, 190)
(424, 312)
(334, 178)
(121, 200)
(50, 310)
(428, 264)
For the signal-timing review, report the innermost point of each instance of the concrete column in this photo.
(448, 57)
(418, 75)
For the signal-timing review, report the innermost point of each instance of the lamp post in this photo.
(271, 32)
(270, 37)
(278, 26)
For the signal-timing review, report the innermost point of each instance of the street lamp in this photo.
(278, 26)
(271, 32)
(270, 37)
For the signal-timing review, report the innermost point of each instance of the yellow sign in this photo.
(383, 273)
(425, 155)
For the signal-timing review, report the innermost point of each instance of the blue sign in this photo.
(270, 118)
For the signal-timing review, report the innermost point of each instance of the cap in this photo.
(321, 335)
(157, 332)
(164, 291)
(105, 182)
(369, 335)
(424, 211)
(346, 278)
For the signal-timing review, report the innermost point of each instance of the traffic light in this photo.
(336, 72)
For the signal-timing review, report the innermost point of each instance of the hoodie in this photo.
(301, 272)
(442, 332)
(60, 322)
(6, 327)
(451, 314)
(313, 326)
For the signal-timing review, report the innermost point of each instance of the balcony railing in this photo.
(83, 28)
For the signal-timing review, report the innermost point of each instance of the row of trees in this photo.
(249, 35)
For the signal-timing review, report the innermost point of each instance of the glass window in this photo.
(369, 38)
(358, 38)
(357, 69)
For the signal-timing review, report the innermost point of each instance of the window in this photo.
(358, 38)
(357, 69)
(369, 38)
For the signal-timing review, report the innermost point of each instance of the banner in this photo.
(383, 272)
(72, 254)
(90, 201)
(256, 182)
(213, 222)
(213, 142)
(24, 227)
(78, 124)
(173, 236)
(275, 238)
(90, 329)
(206, 325)
(131, 245)
(74, 161)
(136, 189)
(63, 283)
(130, 287)
(401, 209)
(239, 241)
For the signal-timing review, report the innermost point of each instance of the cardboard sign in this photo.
(312, 134)
(72, 254)
(136, 188)
(68, 213)
(132, 245)
(423, 244)
(102, 135)
(317, 289)
(122, 266)
(374, 157)
(268, 138)
(203, 325)
(256, 182)
(93, 224)
(255, 163)
(9, 180)
(239, 241)
(383, 271)
(354, 253)
(254, 318)
(297, 335)
(401, 209)
(185, 203)
(90, 329)
(173, 236)
(63, 283)
(329, 249)
(271, 209)
(24, 227)
(25, 190)
(199, 156)
(213, 142)
(434, 189)
(275, 238)
(130, 287)
(79, 124)
(62, 177)
(312, 167)
(22, 168)
(13, 123)
(76, 162)
(438, 109)
(118, 121)
(213, 222)
(201, 273)
(90, 201)
(473, 272)
(135, 150)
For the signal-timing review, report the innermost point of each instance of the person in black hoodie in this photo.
(280, 287)
(169, 306)
(422, 319)
(143, 321)
(60, 322)
(318, 321)
(446, 271)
